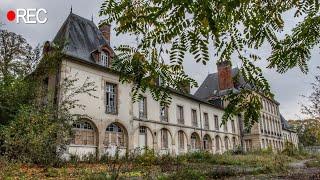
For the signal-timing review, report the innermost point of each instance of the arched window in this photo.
(195, 141)
(164, 139)
(234, 142)
(115, 136)
(217, 143)
(207, 142)
(181, 139)
(104, 59)
(226, 143)
(84, 133)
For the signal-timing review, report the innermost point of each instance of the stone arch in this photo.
(234, 142)
(165, 140)
(182, 141)
(227, 143)
(85, 132)
(195, 141)
(115, 139)
(218, 144)
(207, 142)
(85, 138)
(144, 137)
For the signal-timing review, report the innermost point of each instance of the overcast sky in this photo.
(287, 87)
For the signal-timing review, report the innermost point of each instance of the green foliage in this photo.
(33, 136)
(308, 131)
(176, 28)
(33, 128)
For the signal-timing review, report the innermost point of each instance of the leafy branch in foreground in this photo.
(177, 28)
(36, 130)
(312, 109)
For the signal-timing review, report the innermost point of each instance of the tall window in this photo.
(207, 142)
(233, 126)
(181, 139)
(111, 97)
(104, 59)
(234, 142)
(216, 122)
(143, 107)
(84, 134)
(206, 120)
(217, 143)
(226, 143)
(225, 127)
(194, 117)
(195, 141)
(261, 125)
(180, 116)
(164, 113)
(164, 139)
(114, 136)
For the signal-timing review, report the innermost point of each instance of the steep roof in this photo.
(210, 86)
(82, 37)
(284, 123)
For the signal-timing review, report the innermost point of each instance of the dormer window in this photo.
(104, 60)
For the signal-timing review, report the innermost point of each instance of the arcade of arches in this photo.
(115, 136)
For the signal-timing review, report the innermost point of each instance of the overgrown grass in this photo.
(197, 165)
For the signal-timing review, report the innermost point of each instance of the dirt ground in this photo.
(298, 171)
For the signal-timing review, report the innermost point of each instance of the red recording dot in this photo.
(11, 15)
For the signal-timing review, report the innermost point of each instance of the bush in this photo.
(33, 137)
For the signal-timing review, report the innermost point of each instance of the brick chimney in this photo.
(225, 75)
(105, 29)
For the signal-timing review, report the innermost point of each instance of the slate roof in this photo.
(82, 37)
(210, 87)
(284, 123)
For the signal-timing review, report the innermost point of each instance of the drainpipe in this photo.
(200, 127)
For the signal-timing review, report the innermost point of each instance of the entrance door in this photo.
(142, 138)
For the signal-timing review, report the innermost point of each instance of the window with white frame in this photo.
(114, 136)
(104, 60)
(143, 107)
(111, 98)
(216, 122)
(84, 133)
(164, 113)
(194, 117)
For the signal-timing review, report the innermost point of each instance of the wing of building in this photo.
(113, 122)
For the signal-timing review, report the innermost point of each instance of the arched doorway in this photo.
(195, 142)
(85, 139)
(218, 144)
(234, 142)
(207, 143)
(226, 143)
(182, 142)
(116, 139)
(165, 141)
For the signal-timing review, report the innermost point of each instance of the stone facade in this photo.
(128, 118)
(112, 122)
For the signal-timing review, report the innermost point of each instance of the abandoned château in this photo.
(113, 122)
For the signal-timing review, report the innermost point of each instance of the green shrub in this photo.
(34, 137)
(89, 158)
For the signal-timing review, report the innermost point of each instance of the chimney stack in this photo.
(225, 75)
(105, 29)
